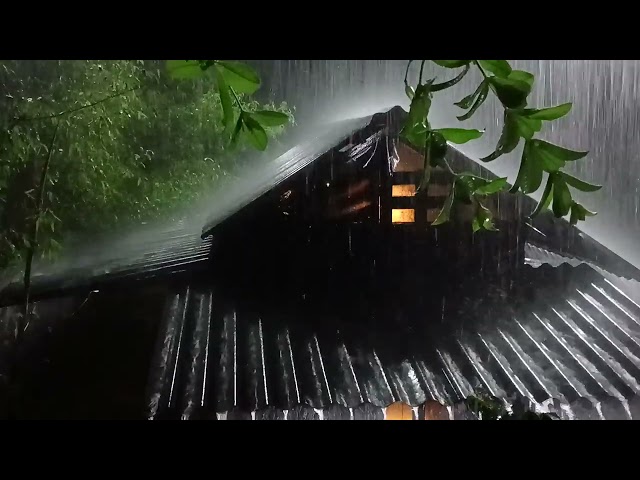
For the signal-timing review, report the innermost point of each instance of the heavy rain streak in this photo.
(603, 121)
(226, 239)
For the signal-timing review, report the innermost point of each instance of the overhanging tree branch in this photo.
(77, 109)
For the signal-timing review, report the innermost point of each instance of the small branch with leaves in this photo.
(487, 407)
(233, 79)
(511, 87)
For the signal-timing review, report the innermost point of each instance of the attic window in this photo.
(403, 215)
(403, 190)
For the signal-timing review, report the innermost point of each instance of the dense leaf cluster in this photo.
(511, 87)
(133, 143)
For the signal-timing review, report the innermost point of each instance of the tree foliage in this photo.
(133, 143)
(520, 122)
(488, 407)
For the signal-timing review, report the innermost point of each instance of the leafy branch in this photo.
(511, 87)
(487, 407)
(81, 107)
(233, 79)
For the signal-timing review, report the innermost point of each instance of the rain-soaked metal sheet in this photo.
(565, 338)
(142, 254)
(243, 191)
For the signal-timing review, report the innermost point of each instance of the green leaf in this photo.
(545, 200)
(237, 130)
(468, 185)
(257, 136)
(580, 184)
(551, 113)
(509, 138)
(579, 213)
(467, 101)
(574, 219)
(480, 98)
(465, 186)
(451, 63)
(492, 187)
(562, 200)
(184, 69)
(527, 127)
(459, 135)
(415, 129)
(442, 86)
(437, 149)
(419, 108)
(512, 93)
(544, 159)
(552, 157)
(522, 76)
(444, 214)
(560, 152)
(225, 99)
(500, 68)
(483, 219)
(415, 135)
(427, 164)
(409, 91)
(426, 176)
(489, 225)
(270, 118)
(240, 76)
(530, 174)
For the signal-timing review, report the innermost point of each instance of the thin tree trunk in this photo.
(33, 240)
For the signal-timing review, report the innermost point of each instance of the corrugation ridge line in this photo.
(555, 260)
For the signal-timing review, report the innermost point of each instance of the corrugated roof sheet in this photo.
(537, 256)
(261, 180)
(143, 254)
(565, 338)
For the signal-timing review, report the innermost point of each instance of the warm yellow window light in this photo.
(403, 190)
(403, 215)
(399, 411)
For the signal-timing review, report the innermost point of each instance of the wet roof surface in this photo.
(565, 335)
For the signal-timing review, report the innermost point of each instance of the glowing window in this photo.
(403, 215)
(403, 190)
(399, 411)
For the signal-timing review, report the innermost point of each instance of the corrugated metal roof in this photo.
(261, 180)
(142, 254)
(537, 256)
(565, 338)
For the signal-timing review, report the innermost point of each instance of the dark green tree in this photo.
(132, 143)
